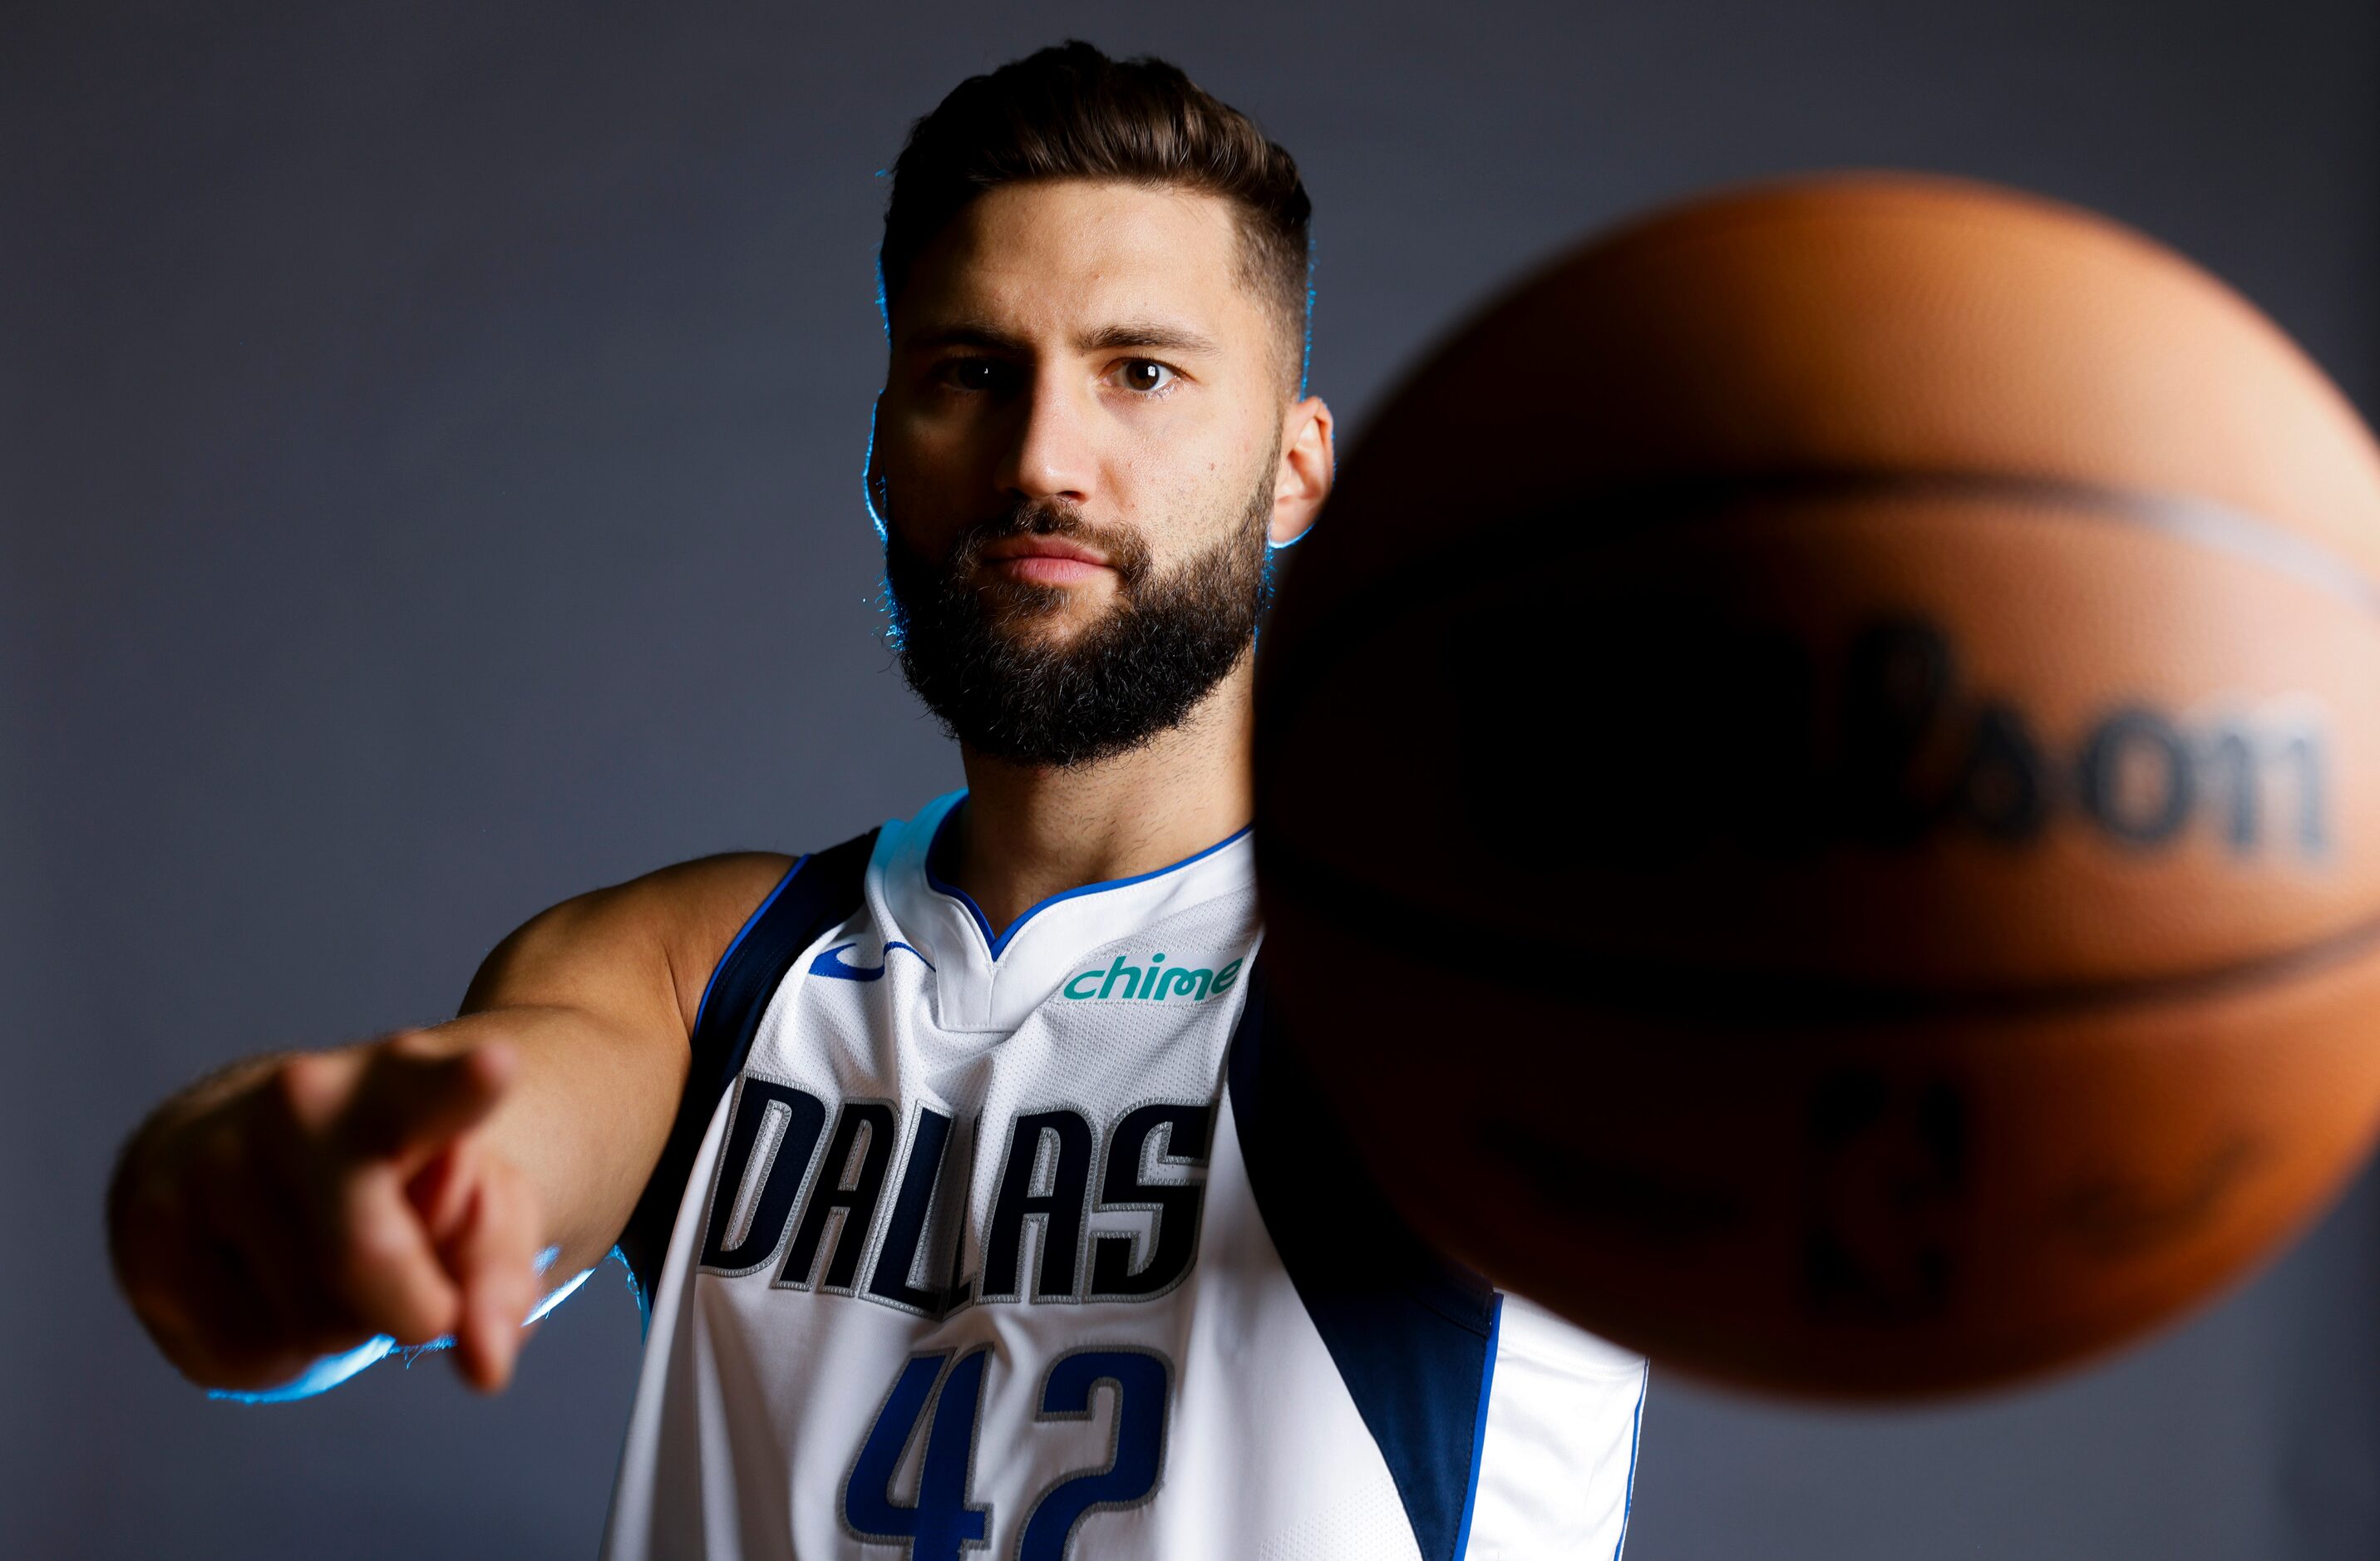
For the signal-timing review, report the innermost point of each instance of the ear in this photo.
(1308, 459)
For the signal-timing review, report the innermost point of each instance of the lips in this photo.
(1048, 560)
(1043, 546)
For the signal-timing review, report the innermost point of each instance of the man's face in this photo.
(1075, 460)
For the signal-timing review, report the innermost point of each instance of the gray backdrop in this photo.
(429, 439)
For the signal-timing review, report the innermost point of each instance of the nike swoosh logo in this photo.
(831, 963)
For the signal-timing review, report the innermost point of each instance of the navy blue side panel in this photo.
(1411, 1331)
(820, 891)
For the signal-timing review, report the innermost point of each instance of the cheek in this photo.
(924, 472)
(915, 452)
(1187, 501)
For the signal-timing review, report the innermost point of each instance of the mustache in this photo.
(1126, 553)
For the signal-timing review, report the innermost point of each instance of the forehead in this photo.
(1061, 253)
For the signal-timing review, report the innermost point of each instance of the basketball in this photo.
(1819, 788)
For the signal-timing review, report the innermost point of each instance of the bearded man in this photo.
(970, 1202)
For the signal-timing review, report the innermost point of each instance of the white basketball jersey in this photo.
(1036, 1245)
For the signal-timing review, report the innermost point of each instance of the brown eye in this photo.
(1146, 375)
(978, 374)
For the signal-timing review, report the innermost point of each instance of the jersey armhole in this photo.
(1411, 1331)
(818, 892)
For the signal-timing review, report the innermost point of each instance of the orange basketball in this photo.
(1818, 787)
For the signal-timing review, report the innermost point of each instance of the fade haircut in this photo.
(1070, 113)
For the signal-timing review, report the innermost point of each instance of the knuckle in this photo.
(375, 1249)
(301, 1091)
(371, 1263)
(409, 1044)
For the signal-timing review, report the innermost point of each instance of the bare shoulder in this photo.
(642, 950)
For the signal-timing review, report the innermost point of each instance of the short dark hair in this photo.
(1070, 111)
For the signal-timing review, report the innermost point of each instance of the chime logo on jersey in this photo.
(781, 1171)
(1155, 980)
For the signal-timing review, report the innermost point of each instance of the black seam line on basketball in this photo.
(1631, 984)
(1627, 511)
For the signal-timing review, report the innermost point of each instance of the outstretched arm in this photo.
(297, 1204)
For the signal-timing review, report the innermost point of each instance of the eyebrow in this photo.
(1155, 335)
(1146, 333)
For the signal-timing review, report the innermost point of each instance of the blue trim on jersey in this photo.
(744, 932)
(1411, 1331)
(1635, 1437)
(817, 893)
(1479, 1436)
(937, 849)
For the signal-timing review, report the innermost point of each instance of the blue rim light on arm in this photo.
(332, 1370)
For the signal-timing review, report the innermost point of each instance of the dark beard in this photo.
(1138, 670)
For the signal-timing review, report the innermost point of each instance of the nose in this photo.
(1049, 451)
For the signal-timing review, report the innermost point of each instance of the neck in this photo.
(1029, 833)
